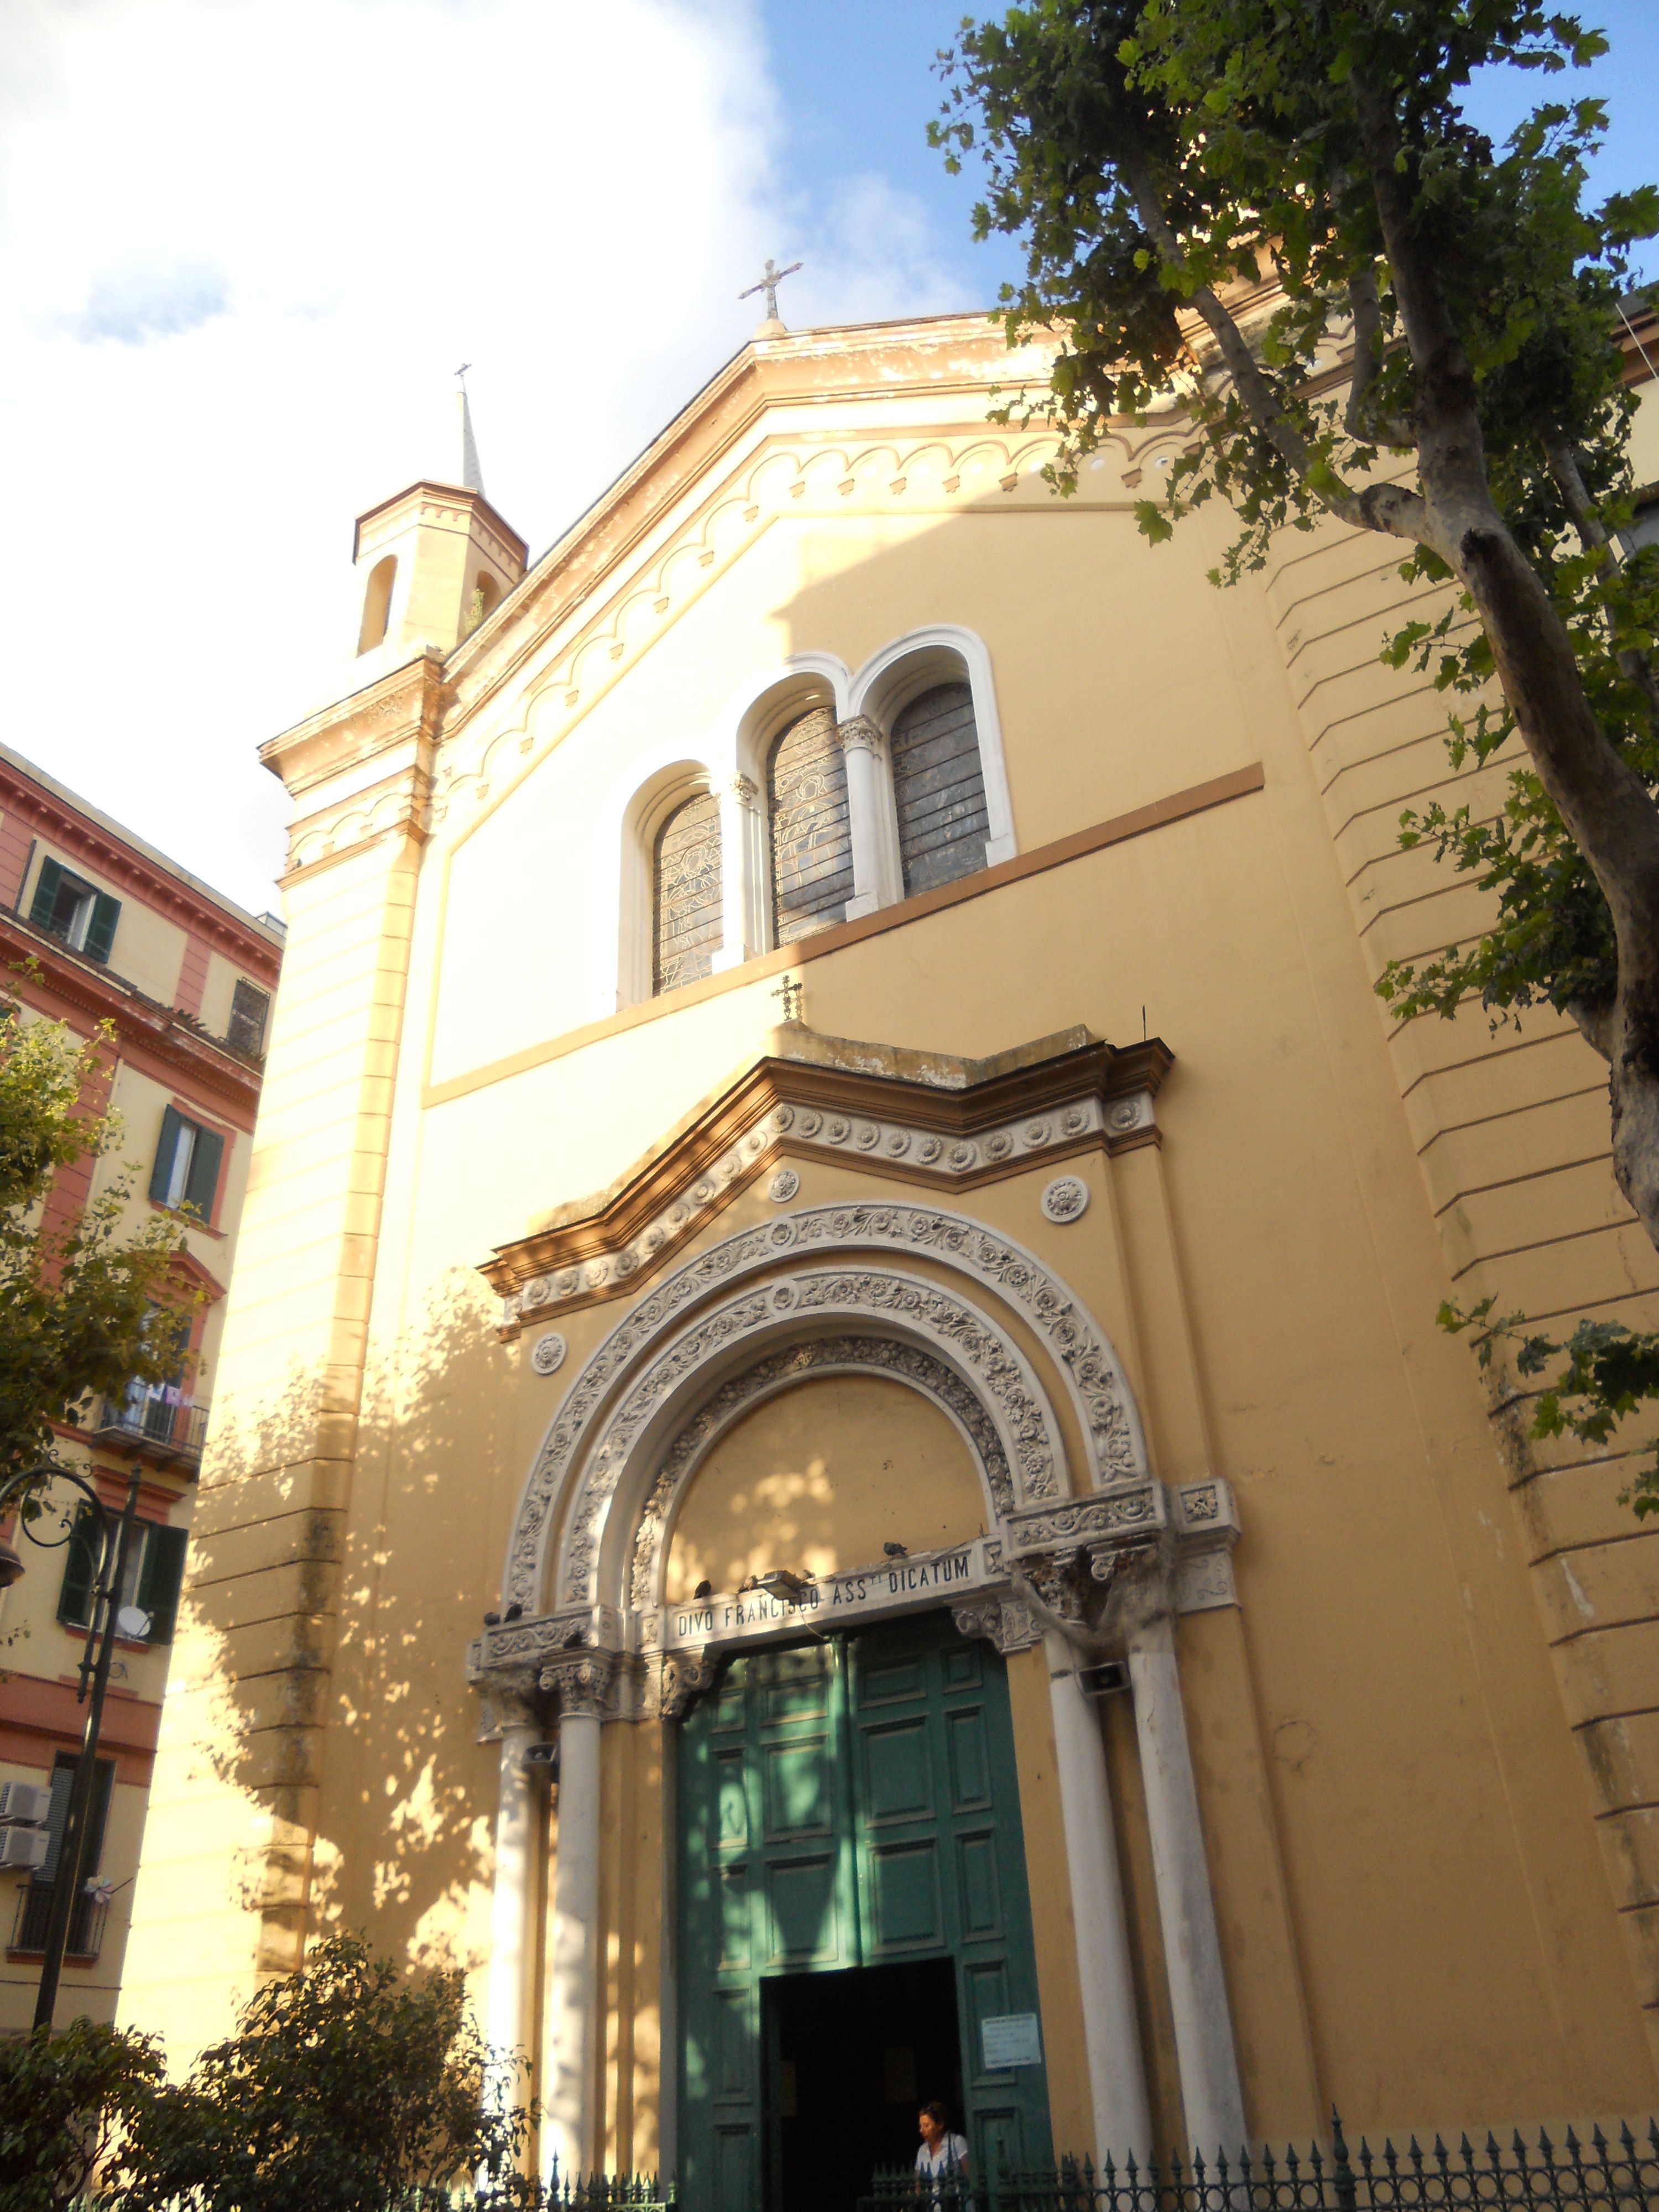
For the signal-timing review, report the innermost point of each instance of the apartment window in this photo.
(154, 1575)
(66, 908)
(250, 1008)
(34, 1903)
(186, 1170)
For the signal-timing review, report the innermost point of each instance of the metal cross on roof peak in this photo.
(790, 992)
(769, 284)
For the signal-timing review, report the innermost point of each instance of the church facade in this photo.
(831, 1462)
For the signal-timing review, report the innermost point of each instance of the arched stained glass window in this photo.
(938, 788)
(687, 888)
(812, 843)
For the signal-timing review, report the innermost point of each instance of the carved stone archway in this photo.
(667, 1392)
(1092, 1376)
(780, 1371)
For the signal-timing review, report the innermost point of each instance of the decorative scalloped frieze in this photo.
(808, 1132)
(778, 478)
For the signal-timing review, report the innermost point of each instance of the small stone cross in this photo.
(789, 990)
(769, 284)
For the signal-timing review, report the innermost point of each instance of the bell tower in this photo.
(432, 563)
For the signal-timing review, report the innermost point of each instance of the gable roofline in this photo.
(765, 373)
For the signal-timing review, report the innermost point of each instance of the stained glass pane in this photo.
(938, 788)
(812, 843)
(688, 887)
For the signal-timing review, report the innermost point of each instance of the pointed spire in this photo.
(472, 475)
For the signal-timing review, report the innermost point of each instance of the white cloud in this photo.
(248, 241)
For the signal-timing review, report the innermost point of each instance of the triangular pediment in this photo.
(901, 1117)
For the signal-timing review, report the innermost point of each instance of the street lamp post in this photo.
(114, 1550)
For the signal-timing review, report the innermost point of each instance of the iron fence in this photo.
(1621, 2172)
(593, 2192)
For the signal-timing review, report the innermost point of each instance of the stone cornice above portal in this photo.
(947, 1123)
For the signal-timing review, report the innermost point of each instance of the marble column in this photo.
(744, 892)
(1211, 2094)
(512, 1940)
(1111, 2030)
(861, 743)
(570, 2063)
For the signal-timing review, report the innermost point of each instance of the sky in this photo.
(245, 243)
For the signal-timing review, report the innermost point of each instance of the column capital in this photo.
(686, 1677)
(582, 1681)
(507, 1699)
(1006, 1622)
(741, 788)
(859, 732)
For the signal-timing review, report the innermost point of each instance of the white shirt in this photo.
(948, 2156)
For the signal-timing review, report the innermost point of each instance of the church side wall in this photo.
(1509, 1128)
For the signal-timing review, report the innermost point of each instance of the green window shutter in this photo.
(103, 1781)
(62, 1779)
(162, 1174)
(46, 894)
(204, 1172)
(158, 1583)
(79, 1566)
(101, 932)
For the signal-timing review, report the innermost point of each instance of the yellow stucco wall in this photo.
(1403, 1836)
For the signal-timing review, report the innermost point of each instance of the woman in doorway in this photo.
(942, 2160)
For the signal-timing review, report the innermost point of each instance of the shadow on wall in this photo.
(301, 1621)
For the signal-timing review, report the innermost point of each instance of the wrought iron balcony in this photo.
(156, 1419)
(86, 1927)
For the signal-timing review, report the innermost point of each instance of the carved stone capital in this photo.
(743, 789)
(582, 1682)
(859, 733)
(1005, 1622)
(507, 1699)
(686, 1676)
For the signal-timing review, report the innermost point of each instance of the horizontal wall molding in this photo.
(1161, 813)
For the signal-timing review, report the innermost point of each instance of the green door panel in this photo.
(847, 1804)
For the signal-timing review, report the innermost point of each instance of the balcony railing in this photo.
(154, 1417)
(33, 1917)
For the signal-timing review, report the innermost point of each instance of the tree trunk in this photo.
(1606, 807)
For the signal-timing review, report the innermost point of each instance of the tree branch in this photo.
(1636, 667)
(1366, 310)
(1399, 513)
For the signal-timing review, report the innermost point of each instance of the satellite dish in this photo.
(133, 1623)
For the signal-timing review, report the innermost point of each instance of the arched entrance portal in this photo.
(854, 1920)
(605, 1632)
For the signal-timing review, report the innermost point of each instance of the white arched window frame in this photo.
(884, 687)
(649, 805)
(767, 710)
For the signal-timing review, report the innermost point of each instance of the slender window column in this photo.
(743, 853)
(569, 2066)
(511, 1943)
(862, 743)
(1210, 2092)
(1111, 2032)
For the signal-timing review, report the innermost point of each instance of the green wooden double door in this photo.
(850, 1809)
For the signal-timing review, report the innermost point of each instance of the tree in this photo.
(1162, 157)
(64, 2100)
(344, 2087)
(90, 1304)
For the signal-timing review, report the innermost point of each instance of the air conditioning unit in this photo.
(23, 1849)
(23, 1801)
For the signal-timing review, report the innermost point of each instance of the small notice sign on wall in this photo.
(1011, 2038)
